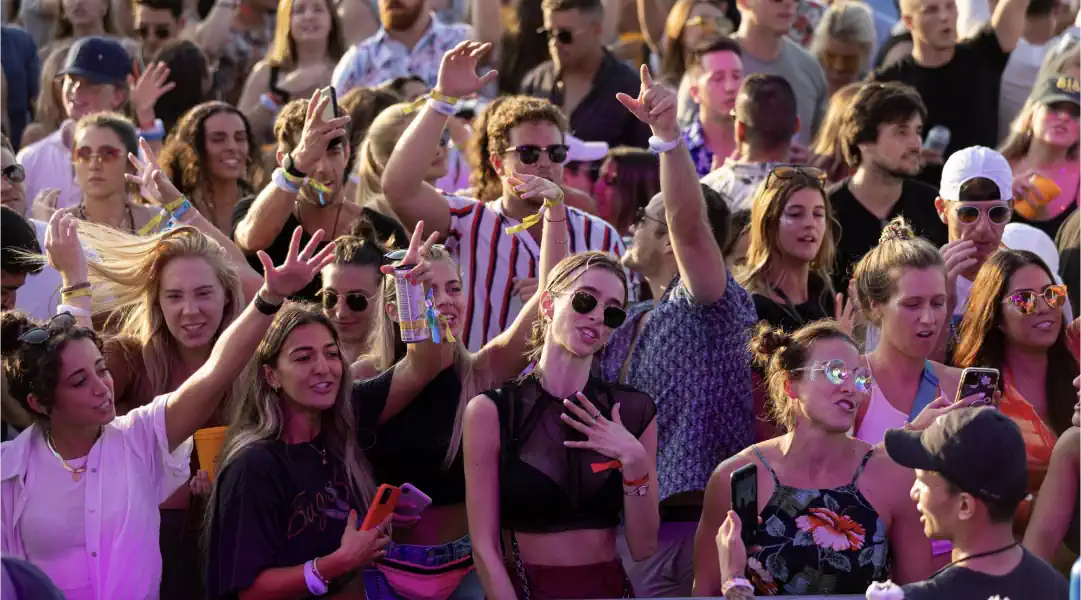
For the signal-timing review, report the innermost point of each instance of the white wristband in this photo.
(315, 584)
(659, 146)
(443, 108)
(74, 310)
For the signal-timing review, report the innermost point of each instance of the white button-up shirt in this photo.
(48, 165)
(130, 471)
(380, 58)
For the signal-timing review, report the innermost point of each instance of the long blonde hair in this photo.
(1019, 140)
(385, 349)
(126, 272)
(379, 142)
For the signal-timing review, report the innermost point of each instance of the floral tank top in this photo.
(814, 541)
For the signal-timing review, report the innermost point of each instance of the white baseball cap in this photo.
(970, 163)
(583, 151)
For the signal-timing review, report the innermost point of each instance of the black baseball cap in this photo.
(979, 449)
(99, 59)
(1057, 88)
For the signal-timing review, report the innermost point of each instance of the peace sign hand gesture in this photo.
(458, 70)
(417, 255)
(150, 177)
(655, 106)
(299, 268)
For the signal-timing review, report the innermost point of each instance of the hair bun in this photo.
(897, 229)
(767, 341)
(12, 325)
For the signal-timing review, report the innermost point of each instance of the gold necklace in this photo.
(76, 472)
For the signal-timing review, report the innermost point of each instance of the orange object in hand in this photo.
(386, 500)
(1029, 206)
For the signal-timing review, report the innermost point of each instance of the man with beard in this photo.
(958, 81)
(716, 75)
(411, 41)
(881, 138)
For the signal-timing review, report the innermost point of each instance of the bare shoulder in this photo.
(363, 369)
(884, 482)
(742, 458)
(949, 378)
(481, 410)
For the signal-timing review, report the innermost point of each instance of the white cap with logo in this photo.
(976, 161)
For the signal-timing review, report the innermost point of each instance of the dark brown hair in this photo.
(766, 106)
(874, 105)
(514, 111)
(289, 126)
(482, 177)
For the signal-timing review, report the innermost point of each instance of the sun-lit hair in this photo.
(877, 273)
(850, 22)
(126, 274)
(827, 150)
(282, 50)
(483, 179)
(375, 150)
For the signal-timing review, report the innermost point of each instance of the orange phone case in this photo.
(386, 499)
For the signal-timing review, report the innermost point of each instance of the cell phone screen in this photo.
(979, 381)
(745, 500)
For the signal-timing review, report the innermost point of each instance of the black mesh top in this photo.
(546, 487)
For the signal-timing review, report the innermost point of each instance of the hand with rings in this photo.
(605, 436)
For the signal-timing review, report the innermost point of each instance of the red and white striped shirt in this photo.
(491, 260)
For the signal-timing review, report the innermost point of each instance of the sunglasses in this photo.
(584, 303)
(1025, 300)
(106, 154)
(356, 301)
(641, 216)
(40, 335)
(563, 36)
(837, 372)
(788, 172)
(530, 153)
(392, 257)
(14, 173)
(998, 214)
(160, 32)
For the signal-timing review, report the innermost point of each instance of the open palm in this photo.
(458, 70)
(149, 176)
(300, 266)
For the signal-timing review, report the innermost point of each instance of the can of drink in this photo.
(411, 310)
(937, 139)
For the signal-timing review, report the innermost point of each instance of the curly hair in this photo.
(35, 368)
(482, 177)
(183, 159)
(515, 110)
(289, 126)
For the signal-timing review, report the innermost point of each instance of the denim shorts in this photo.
(377, 588)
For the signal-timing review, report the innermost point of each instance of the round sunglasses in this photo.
(998, 214)
(583, 303)
(1025, 300)
(837, 372)
(356, 301)
(530, 153)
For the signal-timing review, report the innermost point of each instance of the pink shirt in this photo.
(130, 471)
(48, 165)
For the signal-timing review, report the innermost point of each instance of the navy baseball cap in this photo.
(99, 59)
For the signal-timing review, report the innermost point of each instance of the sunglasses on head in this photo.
(106, 154)
(837, 372)
(529, 154)
(998, 214)
(40, 335)
(160, 32)
(1025, 300)
(814, 175)
(583, 303)
(563, 36)
(14, 173)
(356, 301)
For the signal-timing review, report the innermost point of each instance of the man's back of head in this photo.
(766, 116)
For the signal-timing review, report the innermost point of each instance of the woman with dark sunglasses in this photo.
(350, 292)
(573, 454)
(834, 511)
(1014, 324)
(415, 407)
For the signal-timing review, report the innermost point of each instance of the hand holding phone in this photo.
(744, 482)
(978, 380)
(386, 499)
(330, 111)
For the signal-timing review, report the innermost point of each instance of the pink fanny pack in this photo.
(414, 582)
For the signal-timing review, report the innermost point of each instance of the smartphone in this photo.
(977, 380)
(386, 499)
(331, 110)
(412, 501)
(745, 500)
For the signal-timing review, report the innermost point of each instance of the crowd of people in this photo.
(658, 247)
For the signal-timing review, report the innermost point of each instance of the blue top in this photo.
(22, 69)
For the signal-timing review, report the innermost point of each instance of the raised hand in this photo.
(942, 405)
(63, 250)
(44, 205)
(144, 92)
(531, 186)
(149, 176)
(317, 133)
(299, 268)
(655, 106)
(416, 254)
(458, 70)
(607, 437)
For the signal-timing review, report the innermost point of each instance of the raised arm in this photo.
(487, 19)
(699, 257)
(652, 17)
(1057, 498)
(1008, 21)
(66, 255)
(213, 32)
(411, 198)
(194, 402)
(259, 116)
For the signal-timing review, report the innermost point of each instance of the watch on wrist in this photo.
(290, 166)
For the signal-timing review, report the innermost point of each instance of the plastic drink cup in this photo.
(411, 308)
(938, 138)
(208, 443)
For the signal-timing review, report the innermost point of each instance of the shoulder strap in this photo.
(928, 390)
(765, 463)
(863, 463)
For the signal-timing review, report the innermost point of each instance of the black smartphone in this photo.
(745, 500)
(978, 380)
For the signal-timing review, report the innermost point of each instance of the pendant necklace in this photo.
(322, 453)
(76, 472)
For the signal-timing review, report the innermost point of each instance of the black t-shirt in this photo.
(277, 505)
(1033, 579)
(819, 305)
(860, 230)
(412, 446)
(961, 95)
(279, 248)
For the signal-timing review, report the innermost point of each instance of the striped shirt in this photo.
(491, 260)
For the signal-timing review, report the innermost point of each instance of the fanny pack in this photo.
(415, 582)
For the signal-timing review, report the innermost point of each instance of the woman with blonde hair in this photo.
(827, 150)
(417, 403)
(843, 42)
(306, 47)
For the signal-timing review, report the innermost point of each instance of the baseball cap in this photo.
(979, 449)
(975, 162)
(99, 59)
(1057, 88)
(582, 151)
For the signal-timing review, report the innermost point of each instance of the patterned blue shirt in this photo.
(380, 58)
(695, 138)
(693, 360)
